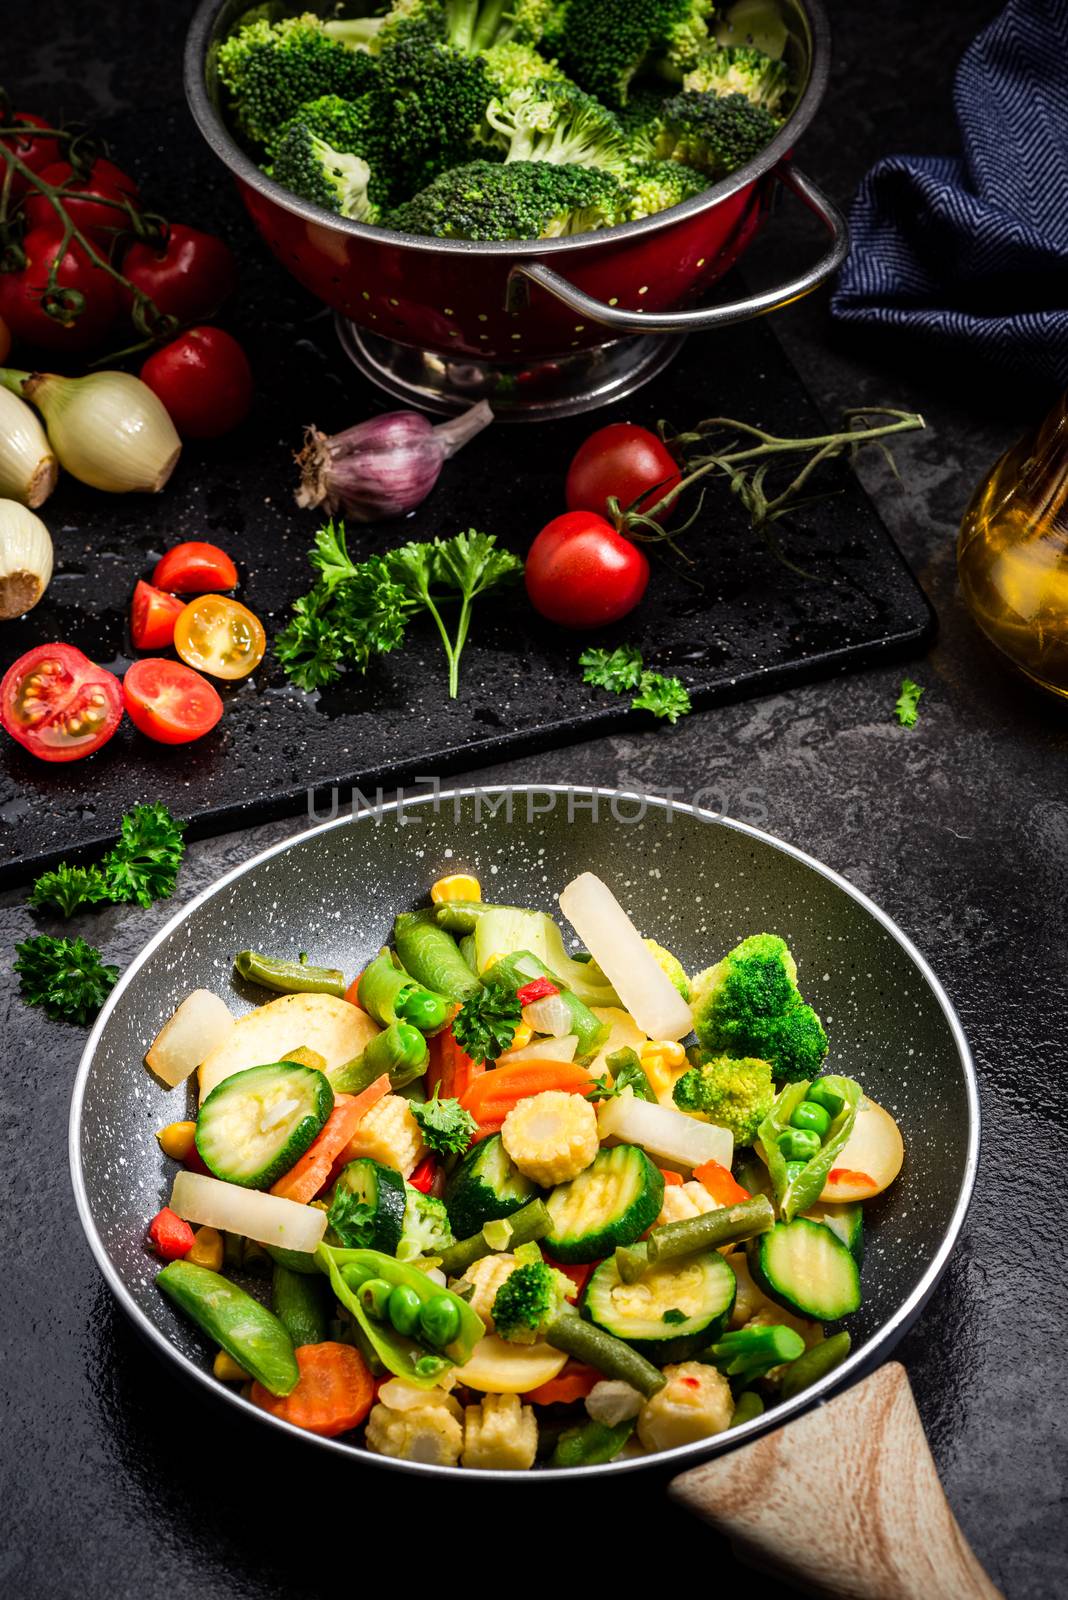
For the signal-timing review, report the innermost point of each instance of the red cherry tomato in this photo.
(189, 274)
(195, 568)
(204, 380)
(170, 702)
(581, 573)
(624, 462)
(152, 617)
(21, 304)
(58, 704)
(32, 150)
(105, 181)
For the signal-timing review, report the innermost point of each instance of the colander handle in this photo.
(707, 317)
(892, 1535)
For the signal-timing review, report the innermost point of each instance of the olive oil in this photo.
(1012, 553)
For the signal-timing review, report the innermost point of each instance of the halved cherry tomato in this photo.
(152, 617)
(170, 703)
(105, 181)
(220, 636)
(58, 704)
(621, 462)
(195, 568)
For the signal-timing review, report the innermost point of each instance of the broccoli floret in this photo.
(529, 1301)
(558, 122)
(354, 128)
(734, 1093)
(750, 1353)
(740, 69)
(438, 98)
(686, 39)
(605, 43)
(307, 166)
(425, 1230)
(522, 200)
(654, 186)
(518, 66)
(271, 69)
(714, 133)
(664, 959)
(748, 1004)
(479, 25)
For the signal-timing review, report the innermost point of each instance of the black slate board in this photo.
(735, 623)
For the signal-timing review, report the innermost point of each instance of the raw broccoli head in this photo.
(517, 66)
(307, 166)
(438, 98)
(605, 43)
(657, 183)
(795, 1044)
(479, 25)
(557, 122)
(749, 1004)
(425, 1230)
(528, 1302)
(736, 1093)
(714, 133)
(272, 68)
(358, 127)
(740, 69)
(522, 200)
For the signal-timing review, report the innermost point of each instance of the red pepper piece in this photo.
(536, 989)
(169, 1236)
(423, 1176)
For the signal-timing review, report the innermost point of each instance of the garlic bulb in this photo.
(28, 468)
(25, 559)
(107, 429)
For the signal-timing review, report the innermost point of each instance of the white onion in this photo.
(267, 1218)
(613, 941)
(665, 1134)
(550, 1015)
(28, 468)
(187, 1038)
(107, 429)
(544, 1050)
(25, 558)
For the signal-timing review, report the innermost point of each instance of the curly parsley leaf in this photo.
(445, 1125)
(65, 976)
(143, 865)
(908, 703)
(352, 1219)
(67, 889)
(664, 697)
(627, 1073)
(486, 1024)
(617, 670)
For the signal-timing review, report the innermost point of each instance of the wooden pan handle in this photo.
(844, 1502)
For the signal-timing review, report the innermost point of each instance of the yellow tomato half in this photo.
(220, 636)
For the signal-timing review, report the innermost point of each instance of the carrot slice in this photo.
(334, 1393)
(303, 1182)
(490, 1098)
(573, 1383)
(451, 1070)
(720, 1184)
(671, 1179)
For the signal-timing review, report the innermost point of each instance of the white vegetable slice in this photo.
(544, 1050)
(200, 1025)
(333, 1028)
(496, 1367)
(665, 1134)
(871, 1159)
(623, 1034)
(613, 941)
(267, 1218)
(550, 1015)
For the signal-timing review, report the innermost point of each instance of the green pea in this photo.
(820, 1095)
(424, 1010)
(355, 1276)
(439, 1321)
(374, 1296)
(812, 1117)
(794, 1169)
(798, 1144)
(404, 1308)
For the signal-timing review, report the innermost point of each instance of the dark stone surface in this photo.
(117, 1482)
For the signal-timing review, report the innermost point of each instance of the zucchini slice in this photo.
(367, 1207)
(675, 1309)
(486, 1186)
(257, 1124)
(611, 1203)
(805, 1267)
(845, 1220)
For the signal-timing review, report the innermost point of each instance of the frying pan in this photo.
(698, 883)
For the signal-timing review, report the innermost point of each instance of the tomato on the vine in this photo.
(58, 704)
(21, 292)
(204, 379)
(188, 273)
(170, 702)
(195, 567)
(104, 181)
(623, 462)
(153, 615)
(582, 573)
(32, 149)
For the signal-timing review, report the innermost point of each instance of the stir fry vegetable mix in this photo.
(506, 1212)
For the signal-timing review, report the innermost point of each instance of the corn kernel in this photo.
(176, 1139)
(458, 886)
(225, 1367)
(672, 1054)
(523, 1035)
(207, 1249)
(306, 1058)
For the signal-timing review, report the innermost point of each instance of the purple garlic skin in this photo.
(384, 467)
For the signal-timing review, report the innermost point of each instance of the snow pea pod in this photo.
(288, 977)
(255, 1338)
(797, 1188)
(591, 1444)
(300, 1305)
(389, 994)
(401, 1050)
(433, 957)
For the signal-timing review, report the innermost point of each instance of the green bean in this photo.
(814, 1364)
(288, 977)
(530, 1222)
(460, 916)
(590, 1444)
(747, 1406)
(255, 1338)
(728, 1225)
(433, 957)
(299, 1304)
(399, 1050)
(591, 1344)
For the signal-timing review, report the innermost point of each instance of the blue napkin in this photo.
(971, 255)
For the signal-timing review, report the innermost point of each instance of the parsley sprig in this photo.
(623, 671)
(445, 1125)
(142, 866)
(64, 976)
(908, 703)
(486, 1024)
(359, 610)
